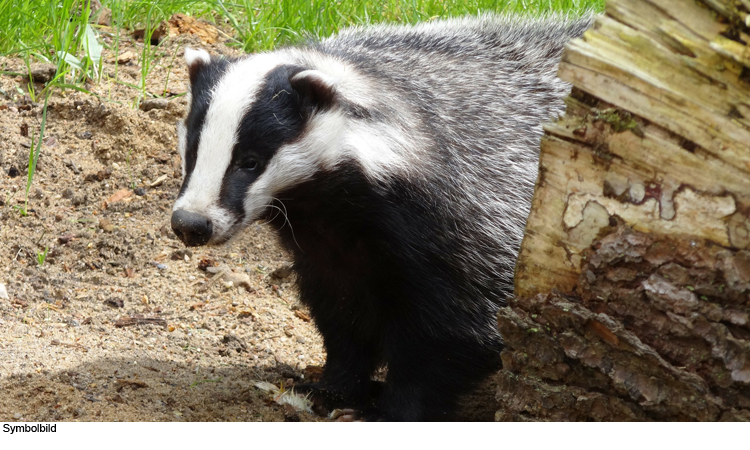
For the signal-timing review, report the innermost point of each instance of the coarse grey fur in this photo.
(398, 163)
(473, 92)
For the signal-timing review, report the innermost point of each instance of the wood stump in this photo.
(633, 280)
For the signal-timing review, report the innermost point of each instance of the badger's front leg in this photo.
(345, 382)
(352, 354)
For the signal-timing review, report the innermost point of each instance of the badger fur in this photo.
(397, 164)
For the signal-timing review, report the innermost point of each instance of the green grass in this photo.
(42, 256)
(43, 28)
(290, 20)
(58, 31)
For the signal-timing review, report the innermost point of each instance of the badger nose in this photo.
(192, 228)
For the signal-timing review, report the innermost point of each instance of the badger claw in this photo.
(346, 415)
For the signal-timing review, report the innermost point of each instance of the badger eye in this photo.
(250, 165)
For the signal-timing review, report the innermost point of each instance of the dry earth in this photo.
(119, 323)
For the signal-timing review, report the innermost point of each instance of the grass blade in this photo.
(92, 45)
(71, 60)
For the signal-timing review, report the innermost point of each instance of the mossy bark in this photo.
(633, 280)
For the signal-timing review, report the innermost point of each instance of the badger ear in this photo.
(195, 60)
(315, 86)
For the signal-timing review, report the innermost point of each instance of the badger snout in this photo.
(192, 228)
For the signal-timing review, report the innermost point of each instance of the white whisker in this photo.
(286, 220)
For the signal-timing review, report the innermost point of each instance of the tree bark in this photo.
(633, 280)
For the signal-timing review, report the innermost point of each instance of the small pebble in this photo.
(217, 269)
(239, 279)
(106, 225)
(161, 266)
(140, 191)
(181, 255)
(17, 416)
(3, 292)
(282, 273)
(154, 103)
(126, 57)
(114, 302)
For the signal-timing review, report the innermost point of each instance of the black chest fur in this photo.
(373, 269)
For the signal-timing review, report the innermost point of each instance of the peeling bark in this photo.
(658, 330)
(633, 280)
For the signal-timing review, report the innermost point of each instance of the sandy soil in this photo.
(119, 322)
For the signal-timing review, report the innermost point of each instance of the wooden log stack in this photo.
(633, 280)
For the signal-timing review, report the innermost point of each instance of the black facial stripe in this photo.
(276, 118)
(203, 79)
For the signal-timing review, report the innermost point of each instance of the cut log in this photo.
(633, 280)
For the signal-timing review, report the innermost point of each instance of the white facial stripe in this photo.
(383, 156)
(182, 143)
(230, 99)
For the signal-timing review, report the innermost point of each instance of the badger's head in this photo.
(255, 126)
(263, 124)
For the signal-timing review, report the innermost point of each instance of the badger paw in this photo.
(327, 399)
(324, 399)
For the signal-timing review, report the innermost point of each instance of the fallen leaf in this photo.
(119, 196)
(266, 386)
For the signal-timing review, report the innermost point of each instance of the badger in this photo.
(397, 164)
